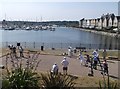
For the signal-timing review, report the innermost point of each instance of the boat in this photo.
(53, 29)
(9, 28)
(27, 28)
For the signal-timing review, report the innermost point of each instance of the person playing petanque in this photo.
(82, 59)
(65, 64)
(21, 51)
(55, 69)
(95, 58)
(105, 67)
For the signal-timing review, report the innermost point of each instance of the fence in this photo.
(37, 45)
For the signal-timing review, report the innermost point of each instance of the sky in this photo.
(34, 10)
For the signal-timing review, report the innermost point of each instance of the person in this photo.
(14, 51)
(69, 51)
(21, 51)
(95, 53)
(88, 60)
(104, 54)
(105, 67)
(55, 69)
(11, 49)
(81, 58)
(65, 64)
(95, 58)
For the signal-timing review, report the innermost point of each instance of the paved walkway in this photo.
(74, 66)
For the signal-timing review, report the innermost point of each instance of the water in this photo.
(62, 37)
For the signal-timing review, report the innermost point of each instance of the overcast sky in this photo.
(34, 10)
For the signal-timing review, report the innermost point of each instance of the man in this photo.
(21, 51)
(55, 69)
(95, 58)
(95, 53)
(65, 64)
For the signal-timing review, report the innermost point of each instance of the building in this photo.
(116, 21)
(93, 23)
(84, 23)
(88, 23)
(81, 22)
(97, 22)
(107, 22)
(100, 24)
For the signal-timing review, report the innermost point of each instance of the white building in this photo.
(116, 20)
(104, 22)
(84, 23)
(88, 23)
(110, 22)
(100, 24)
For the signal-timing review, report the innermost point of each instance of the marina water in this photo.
(62, 37)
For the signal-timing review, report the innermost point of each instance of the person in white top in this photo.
(95, 58)
(82, 59)
(70, 52)
(65, 64)
(95, 53)
(55, 69)
(21, 51)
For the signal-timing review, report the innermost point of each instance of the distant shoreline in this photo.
(101, 32)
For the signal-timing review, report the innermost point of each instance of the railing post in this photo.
(6, 44)
(34, 44)
(25, 44)
(61, 45)
(90, 46)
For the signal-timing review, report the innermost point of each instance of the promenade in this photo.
(75, 68)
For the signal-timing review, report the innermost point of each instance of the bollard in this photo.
(42, 48)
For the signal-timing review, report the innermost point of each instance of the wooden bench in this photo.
(113, 58)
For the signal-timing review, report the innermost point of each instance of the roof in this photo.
(118, 17)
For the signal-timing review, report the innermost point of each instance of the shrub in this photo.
(107, 84)
(57, 81)
(21, 76)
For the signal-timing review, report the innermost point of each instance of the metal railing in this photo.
(37, 45)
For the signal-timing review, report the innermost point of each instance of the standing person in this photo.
(65, 64)
(69, 51)
(14, 52)
(55, 69)
(95, 53)
(95, 58)
(104, 54)
(21, 51)
(81, 58)
(10, 48)
(105, 67)
(88, 60)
